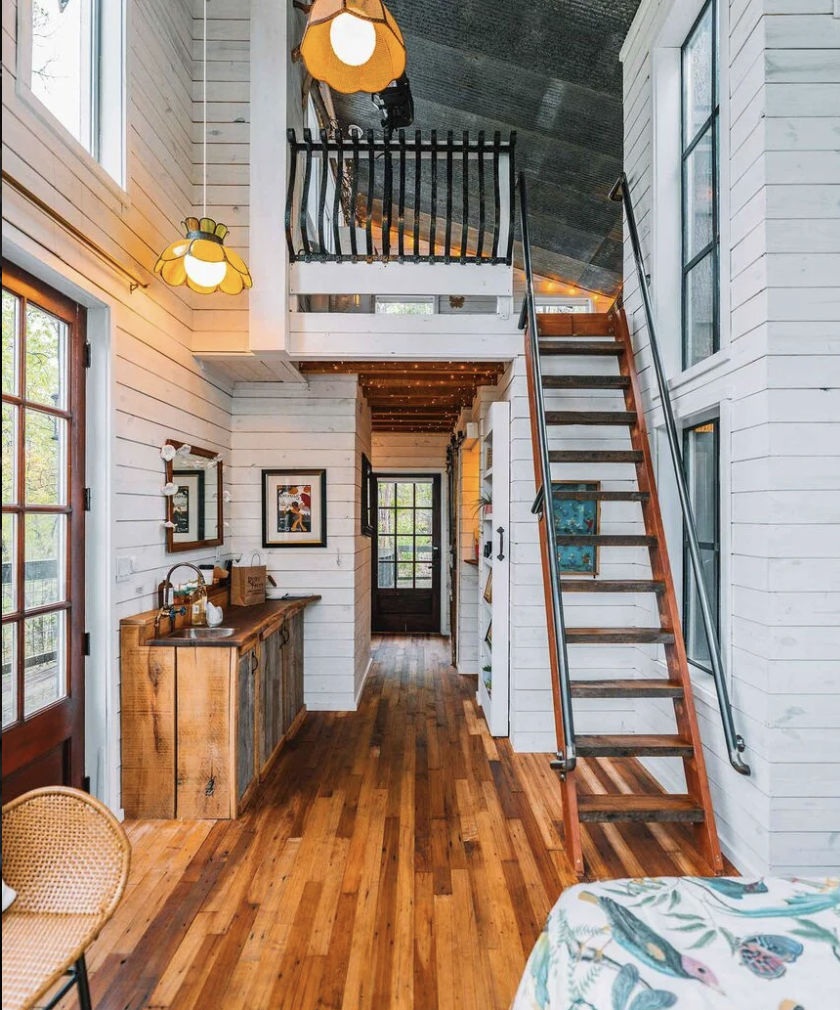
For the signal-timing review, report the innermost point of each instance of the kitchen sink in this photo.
(202, 634)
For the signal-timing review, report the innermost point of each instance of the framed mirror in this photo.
(196, 508)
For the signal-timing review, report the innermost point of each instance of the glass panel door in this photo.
(43, 523)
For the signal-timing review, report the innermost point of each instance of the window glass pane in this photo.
(386, 494)
(423, 521)
(424, 495)
(9, 674)
(10, 332)
(44, 657)
(405, 548)
(424, 572)
(426, 307)
(405, 494)
(10, 422)
(9, 559)
(423, 546)
(385, 576)
(696, 642)
(405, 576)
(700, 311)
(45, 542)
(386, 548)
(45, 479)
(697, 77)
(405, 520)
(698, 183)
(46, 358)
(386, 521)
(702, 464)
(61, 62)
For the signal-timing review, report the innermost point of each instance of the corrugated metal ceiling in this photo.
(548, 69)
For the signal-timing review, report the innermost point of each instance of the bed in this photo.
(720, 943)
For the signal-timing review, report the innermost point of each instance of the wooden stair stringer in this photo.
(568, 783)
(675, 653)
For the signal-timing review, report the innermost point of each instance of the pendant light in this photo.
(353, 45)
(200, 259)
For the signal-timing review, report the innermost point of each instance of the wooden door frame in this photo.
(437, 477)
(64, 719)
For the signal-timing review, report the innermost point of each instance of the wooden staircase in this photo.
(607, 336)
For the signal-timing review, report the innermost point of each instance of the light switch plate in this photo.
(125, 567)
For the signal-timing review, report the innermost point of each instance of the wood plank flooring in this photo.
(397, 857)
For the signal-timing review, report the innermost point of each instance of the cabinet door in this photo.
(245, 742)
(271, 727)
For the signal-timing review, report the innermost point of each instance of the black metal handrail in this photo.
(566, 759)
(416, 185)
(734, 741)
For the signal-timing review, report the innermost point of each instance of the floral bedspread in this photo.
(721, 943)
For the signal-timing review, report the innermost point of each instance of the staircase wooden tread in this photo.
(656, 688)
(586, 382)
(632, 745)
(597, 417)
(637, 807)
(604, 540)
(618, 636)
(612, 586)
(595, 456)
(585, 347)
(599, 495)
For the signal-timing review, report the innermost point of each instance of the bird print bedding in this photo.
(694, 943)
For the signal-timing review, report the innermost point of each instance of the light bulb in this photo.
(353, 39)
(204, 274)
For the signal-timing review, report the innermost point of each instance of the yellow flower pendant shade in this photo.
(201, 261)
(353, 45)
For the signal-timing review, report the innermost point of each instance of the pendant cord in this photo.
(204, 110)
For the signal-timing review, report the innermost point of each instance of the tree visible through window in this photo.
(700, 189)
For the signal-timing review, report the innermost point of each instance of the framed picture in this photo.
(488, 587)
(294, 508)
(188, 506)
(576, 517)
(368, 526)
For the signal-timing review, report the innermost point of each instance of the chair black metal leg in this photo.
(83, 984)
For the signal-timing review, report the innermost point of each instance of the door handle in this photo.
(501, 554)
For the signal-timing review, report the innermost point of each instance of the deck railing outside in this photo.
(401, 199)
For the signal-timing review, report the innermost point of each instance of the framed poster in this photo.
(367, 498)
(578, 517)
(294, 508)
(188, 506)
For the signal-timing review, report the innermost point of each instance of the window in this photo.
(74, 70)
(404, 306)
(405, 530)
(555, 307)
(701, 456)
(700, 189)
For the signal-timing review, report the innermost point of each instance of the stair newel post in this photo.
(675, 653)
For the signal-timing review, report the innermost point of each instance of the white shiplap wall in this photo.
(145, 385)
(776, 386)
(322, 423)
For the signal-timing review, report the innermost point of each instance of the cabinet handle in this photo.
(501, 554)
(255, 663)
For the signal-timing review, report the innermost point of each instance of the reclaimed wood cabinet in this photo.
(202, 725)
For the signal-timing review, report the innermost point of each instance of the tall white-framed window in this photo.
(700, 176)
(71, 73)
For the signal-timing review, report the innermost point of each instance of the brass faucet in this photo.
(168, 609)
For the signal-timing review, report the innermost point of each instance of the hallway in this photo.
(398, 857)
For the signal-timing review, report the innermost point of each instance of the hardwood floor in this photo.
(398, 857)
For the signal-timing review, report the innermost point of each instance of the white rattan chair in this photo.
(67, 857)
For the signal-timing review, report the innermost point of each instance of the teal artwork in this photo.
(579, 518)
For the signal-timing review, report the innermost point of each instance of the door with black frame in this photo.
(43, 536)
(406, 553)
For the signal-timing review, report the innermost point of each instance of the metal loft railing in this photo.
(567, 756)
(348, 195)
(734, 741)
